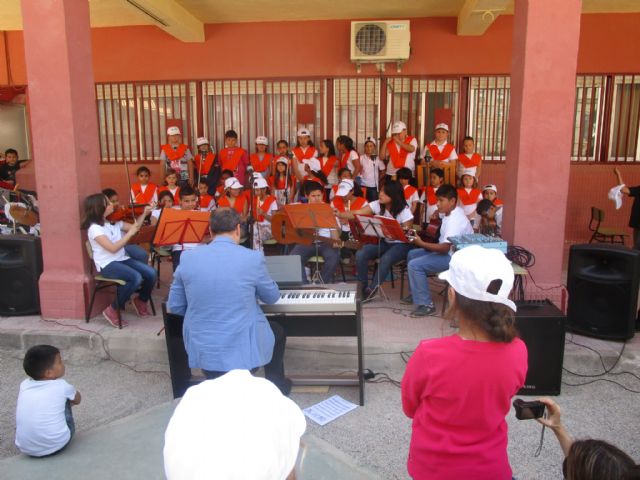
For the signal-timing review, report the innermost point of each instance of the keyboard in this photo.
(314, 299)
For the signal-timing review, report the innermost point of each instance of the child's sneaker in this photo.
(141, 307)
(111, 315)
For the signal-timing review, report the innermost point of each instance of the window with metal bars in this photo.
(356, 109)
(624, 134)
(488, 115)
(588, 117)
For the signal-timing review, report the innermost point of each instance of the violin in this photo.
(127, 213)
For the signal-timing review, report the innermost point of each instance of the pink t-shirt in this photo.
(458, 393)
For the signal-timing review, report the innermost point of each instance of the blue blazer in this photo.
(216, 288)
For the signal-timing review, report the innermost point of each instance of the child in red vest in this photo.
(440, 150)
(264, 206)
(468, 196)
(329, 164)
(372, 169)
(399, 150)
(165, 200)
(176, 156)
(233, 157)
(205, 161)
(410, 192)
(304, 149)
(490, 192)
(428, 198)
(171, 185)
(261, 161)
(206, 202)
(348, 197)
(281, 182)
(470, 161)
(143, 191)
(349, 157)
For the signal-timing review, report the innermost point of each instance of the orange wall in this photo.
(321, 48)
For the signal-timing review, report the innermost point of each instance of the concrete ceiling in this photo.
(185, 18)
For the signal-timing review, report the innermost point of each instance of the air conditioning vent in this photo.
(380, 41)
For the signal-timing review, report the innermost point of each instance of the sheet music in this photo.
(372, 226)
(329, 409)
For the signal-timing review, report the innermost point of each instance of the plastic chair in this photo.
(101, 282)
(603, 234)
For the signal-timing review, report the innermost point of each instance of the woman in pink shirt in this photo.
(458, 389)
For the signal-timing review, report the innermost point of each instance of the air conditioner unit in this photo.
(380, 41)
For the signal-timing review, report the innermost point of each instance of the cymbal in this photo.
(23, 215)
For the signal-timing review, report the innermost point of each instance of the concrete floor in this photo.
(375, 437)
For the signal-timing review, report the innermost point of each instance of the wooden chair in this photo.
(423, 172)
(101, 282)
(603, 234)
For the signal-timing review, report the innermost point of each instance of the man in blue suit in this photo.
(216, 288)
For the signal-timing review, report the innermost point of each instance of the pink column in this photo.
(64, 129)
(543, 88)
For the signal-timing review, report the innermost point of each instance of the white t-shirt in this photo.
(272, 208)
(404, 216)
(353, 155)
(410, 162)
(113, 232)
(454, 224)
(370, 170)
(415, 197)
(41, 426)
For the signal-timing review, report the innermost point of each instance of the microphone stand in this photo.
(250, 220)
(376, 174)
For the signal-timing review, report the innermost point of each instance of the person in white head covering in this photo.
(177, 156)
(458, 389)
(399, 150)
(235, 427)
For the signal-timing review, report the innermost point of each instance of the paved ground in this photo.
(375, 436)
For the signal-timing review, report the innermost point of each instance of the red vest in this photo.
(205, 200)
(300, 155)
(498, 203)
(280, 183)
(238, 206)
(467, 162)
(139, 196)
(431, 195)
(437, 155)
(344, 160)
(469, 198)
(327, 164)
(230, 158)
(408, 191)
(356, 204)
(204, 166)
(260, 165)
(176, 196)
(269, 199)
(176, 154)
(398, 155)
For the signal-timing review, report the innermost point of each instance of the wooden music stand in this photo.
(181, 226)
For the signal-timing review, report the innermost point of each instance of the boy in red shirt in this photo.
(232, 157)
(458, 389)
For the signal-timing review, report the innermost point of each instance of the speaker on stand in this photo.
(20, 269)
(603, 283)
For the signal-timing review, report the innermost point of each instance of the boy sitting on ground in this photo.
(44, 422)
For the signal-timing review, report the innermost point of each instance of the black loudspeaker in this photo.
(542, 328)
(20, 269)
(603, 290)
(181, 378)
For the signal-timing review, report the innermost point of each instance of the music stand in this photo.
(312, 216)
(181, 226)
(379, 228)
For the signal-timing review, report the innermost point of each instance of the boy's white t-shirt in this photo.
(370, 170)
(410, 163)
(101, 256)
(454, 224)
(41, 426)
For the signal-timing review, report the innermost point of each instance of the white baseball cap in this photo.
(173, 131)
(344, 187)
(490, 187)
(236, 426)
(372, 140)
(284, 160)
(314, 164)
(473, 268)
(232, 182)
(262, 140)
(398, 127)
(202, 141)
(442, 126)
(303, 132)
(260, 182)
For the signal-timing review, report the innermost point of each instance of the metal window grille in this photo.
(588, 117)
(132, 118)
(624, 134)
(488, 115)
(356, 109)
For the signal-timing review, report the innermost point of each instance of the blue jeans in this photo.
(136, 274)
(390, 254)
(420, 264)
(137, 252)
(330, 255)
